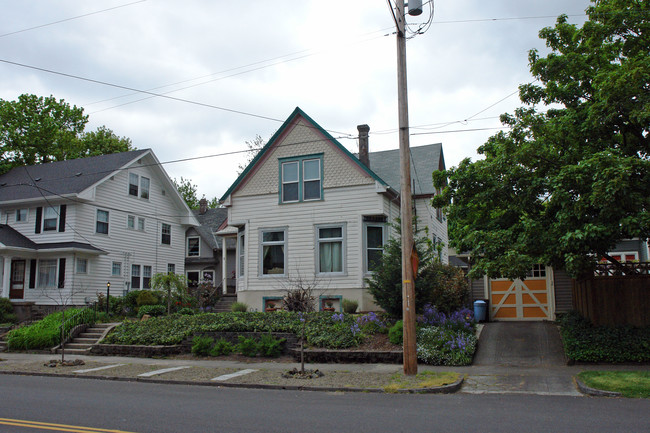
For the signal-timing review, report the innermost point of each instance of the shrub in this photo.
(43, 334)
(299, 299)
(7, 311)
(201, 345)
(130, 302)
(238, 307)
(585, 342)
(462, 320)
(221, 347)
(441, 346)
(396, 333)
(186, 311)
(349, 306)
(371, 323)
(443, 286)
(247, 346)
(152, 310)
(146, 297)
(270, 346)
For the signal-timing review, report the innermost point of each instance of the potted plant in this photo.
(329, 305)
(270, 306)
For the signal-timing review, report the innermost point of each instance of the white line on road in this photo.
(236, 374)
(88, 370)
(164, 370)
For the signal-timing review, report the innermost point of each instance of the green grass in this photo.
(634, 384)
(423, 380)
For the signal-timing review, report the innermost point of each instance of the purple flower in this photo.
(354, 328)
(338, 317)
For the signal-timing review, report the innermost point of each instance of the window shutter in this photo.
(62, 218)
(61, 273)
(39, 216)
(32, 273)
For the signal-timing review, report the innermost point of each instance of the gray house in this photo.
(204, 251)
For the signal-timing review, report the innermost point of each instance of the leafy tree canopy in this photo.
(35, 130)
(188, 191)
(572, 175)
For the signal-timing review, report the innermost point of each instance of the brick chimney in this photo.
(363, 144)
(203, 206)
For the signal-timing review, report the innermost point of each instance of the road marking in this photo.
(56, 427)
(88, 370)
(235, 374)
(163, 371)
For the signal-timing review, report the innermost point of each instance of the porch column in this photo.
(224, 266)
(6, 276)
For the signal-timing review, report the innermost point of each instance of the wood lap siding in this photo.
(563, 291)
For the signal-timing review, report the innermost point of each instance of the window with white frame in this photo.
(21, 215)
(116, 269)
(538, 271)
(47, 273)
(146, 277)
(171, 268)
(141, 224)
(331, 248)
(374, 246)
(274, 251)
(301, 179)
(135, 276)
(139, 186)
(242, 253)
(50, 218)
(82, 266)
(193, 246)
(102, 222)
(131, 223)
(166, 234)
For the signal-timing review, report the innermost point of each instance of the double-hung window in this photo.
(193, 246)
(274, 251)
(166, 234)
(135, 276)
(102, 222)
(146, 277)
(47, 273)
(21, 215)
(331, 248)
(139, 186)
(116, 269)
(82, 266)
(242, 253)
(301, 179)
(374, 237)
(50, 218)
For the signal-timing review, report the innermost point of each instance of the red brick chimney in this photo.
(203, 206)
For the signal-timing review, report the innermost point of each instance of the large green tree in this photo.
(35, 130)
(571, 177)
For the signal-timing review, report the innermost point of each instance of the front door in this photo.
(17, 288)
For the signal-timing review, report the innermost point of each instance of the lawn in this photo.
(635, 384)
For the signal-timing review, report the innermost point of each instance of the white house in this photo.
(73, 226)
(308, 209)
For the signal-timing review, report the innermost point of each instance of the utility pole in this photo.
(410, 360)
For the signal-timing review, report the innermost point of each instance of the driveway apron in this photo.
(520, 357)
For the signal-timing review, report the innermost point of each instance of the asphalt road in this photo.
(142, 407)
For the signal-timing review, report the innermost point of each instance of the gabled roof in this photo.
(290, 120)
(424, 160)
(210, 222)
(62, 178)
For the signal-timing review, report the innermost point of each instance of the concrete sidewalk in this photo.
(512, 357)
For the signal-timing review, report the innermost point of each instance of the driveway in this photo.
(520, 357)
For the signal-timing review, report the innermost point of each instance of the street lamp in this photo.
(108, 296)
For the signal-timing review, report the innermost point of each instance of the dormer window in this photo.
(139, 186)
(301, 179)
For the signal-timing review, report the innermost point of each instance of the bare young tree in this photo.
(254, 146)
(62, 297)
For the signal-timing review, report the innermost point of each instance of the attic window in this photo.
(301, 179)
(139, 186)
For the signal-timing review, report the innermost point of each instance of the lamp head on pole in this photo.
(415, 7)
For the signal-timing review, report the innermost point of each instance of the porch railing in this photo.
(627, 268)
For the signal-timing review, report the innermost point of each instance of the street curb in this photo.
(593, 391)
(445, 389)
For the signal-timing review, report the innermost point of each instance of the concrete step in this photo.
(94, 335)
(73, 351)
(77, 346)
(80, 340)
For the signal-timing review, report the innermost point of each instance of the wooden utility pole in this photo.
(410, 360)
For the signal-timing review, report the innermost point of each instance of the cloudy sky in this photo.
(233, 70)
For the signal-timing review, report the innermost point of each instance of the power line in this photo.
(70, 19)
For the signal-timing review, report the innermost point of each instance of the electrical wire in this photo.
(70, 19)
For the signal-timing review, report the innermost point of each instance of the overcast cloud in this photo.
(334, 59)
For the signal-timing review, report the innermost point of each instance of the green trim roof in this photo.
(298, 113)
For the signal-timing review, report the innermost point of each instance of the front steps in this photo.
(82, 343)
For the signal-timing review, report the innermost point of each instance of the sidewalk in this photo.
(478, 379)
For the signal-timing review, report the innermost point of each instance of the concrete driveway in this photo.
(520, 357)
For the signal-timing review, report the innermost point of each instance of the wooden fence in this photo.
(614, 300)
